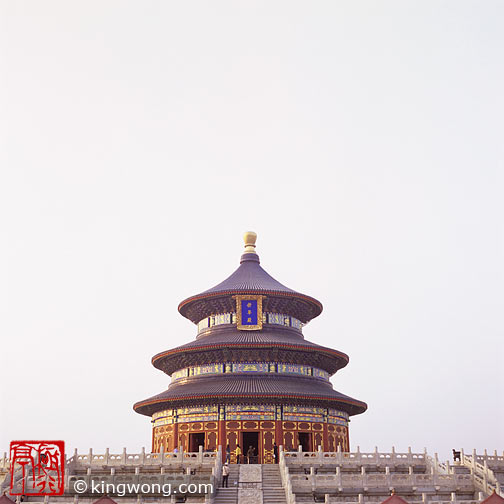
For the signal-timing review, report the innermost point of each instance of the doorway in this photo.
(305, 441)
(196, 440)
(251, 439)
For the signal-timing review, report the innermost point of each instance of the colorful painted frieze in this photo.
(251, 367)
(181, 373)
(320, 373)
(294, 369)
(303, 414)
(250, 412)
(338, 413)
(207, 369)
(266, 318)
(198, 414)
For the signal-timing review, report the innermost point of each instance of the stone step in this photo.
(226, 496)
(274, 499)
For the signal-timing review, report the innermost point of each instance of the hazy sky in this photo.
(362, 141)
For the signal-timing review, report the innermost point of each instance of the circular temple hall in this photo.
(250, 378)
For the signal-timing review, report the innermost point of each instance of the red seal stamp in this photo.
(37, 467)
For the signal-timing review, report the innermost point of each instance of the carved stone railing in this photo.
(315, 482)
(4, 463)
(140, 459)
(357, 458)
(286, 481)
(483, 468)
(361, 499)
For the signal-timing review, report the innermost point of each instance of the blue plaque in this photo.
(249, 312)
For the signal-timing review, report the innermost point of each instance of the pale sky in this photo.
(362, 141)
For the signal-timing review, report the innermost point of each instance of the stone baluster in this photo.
(107, 455)
(424, 498)
(320, 455)
(142, 456)
(454, 496)
(200, 454)
(90, 455)
(361, 498)
(124, 457)
(161, 454)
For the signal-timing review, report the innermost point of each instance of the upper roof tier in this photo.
(250, 278)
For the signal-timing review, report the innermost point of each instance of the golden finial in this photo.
(250, 238)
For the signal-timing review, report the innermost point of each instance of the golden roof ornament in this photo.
(250, 238)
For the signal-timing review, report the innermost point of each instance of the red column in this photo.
(325, 437)
(175, 436)
(221, 437)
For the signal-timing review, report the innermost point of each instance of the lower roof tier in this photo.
(230, 344)
(244, 389)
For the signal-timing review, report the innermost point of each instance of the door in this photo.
(305, 441)
(196, 440)
(250, 444)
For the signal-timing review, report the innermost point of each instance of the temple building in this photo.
(250, 378)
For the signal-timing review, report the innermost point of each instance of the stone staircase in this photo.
(273, 493)
(229, 495)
